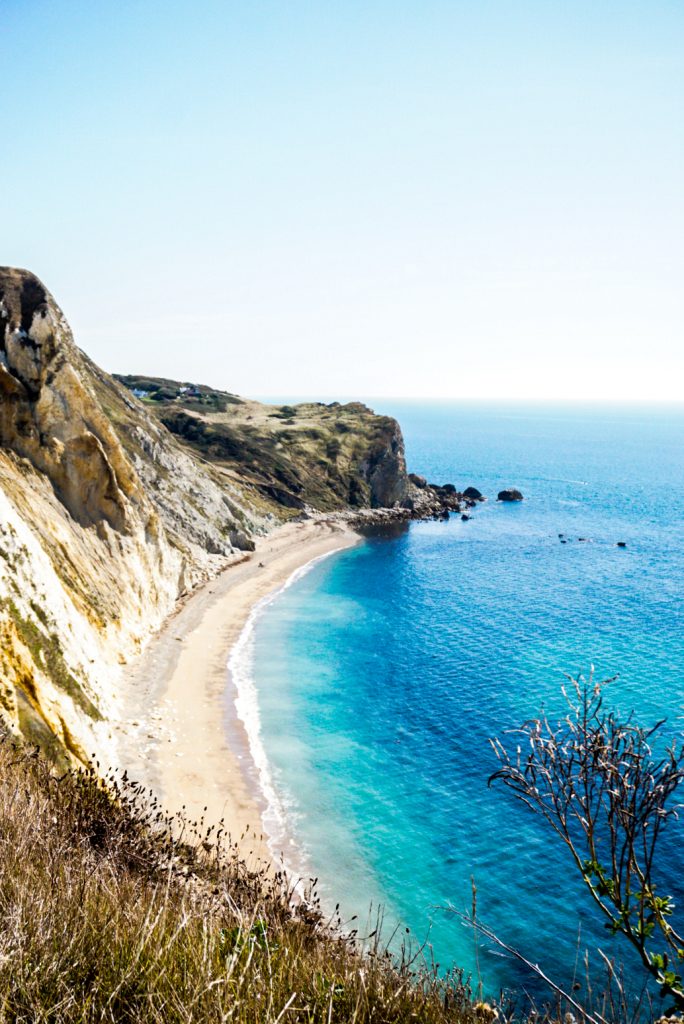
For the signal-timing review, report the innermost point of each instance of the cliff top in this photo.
(290, 456)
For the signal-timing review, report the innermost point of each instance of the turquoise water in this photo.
(382, 672)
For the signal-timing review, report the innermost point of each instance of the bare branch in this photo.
(594, 779)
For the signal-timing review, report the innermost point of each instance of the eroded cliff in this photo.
(111, 507)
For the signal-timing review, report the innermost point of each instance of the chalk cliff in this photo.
(112, 506)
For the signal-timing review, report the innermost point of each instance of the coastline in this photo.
(180, 734)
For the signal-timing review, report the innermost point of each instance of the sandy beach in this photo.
(180, 734)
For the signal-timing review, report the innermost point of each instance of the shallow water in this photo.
(382, 673)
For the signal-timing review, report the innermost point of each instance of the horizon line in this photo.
(478, 399)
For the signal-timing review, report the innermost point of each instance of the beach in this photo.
(180, 734)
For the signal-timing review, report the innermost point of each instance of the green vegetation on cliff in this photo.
(325, 456)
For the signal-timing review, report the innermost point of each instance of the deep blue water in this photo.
(383, 672)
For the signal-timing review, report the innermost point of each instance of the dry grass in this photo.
(106, 917)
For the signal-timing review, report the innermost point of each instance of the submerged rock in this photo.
(510, 494)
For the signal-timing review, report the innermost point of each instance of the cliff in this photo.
(116, 498)
(290, 457)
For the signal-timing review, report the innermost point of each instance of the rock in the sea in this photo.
(418, 481)
(510, 494)
(473, 494)
(465, 517)
(622, 543)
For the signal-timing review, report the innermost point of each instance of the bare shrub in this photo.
(607, 787)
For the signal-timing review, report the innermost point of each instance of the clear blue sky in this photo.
(479, 198)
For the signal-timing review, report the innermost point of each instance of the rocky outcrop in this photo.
(287, 459)
(432, 501)
(510, 494)
(472, 494)
(384, 468)
(46, 413)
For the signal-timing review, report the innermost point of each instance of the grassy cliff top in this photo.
(311, 453)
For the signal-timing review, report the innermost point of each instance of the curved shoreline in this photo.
(179, 734)
(243, 701)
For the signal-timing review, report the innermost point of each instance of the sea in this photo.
(373, 683)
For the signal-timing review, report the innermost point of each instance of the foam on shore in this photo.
(203, 755)
(279, 831)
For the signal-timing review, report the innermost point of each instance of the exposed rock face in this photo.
(100, 531)
(385, 468)
(510, 494)
(46, 414)
(106, 517)
(205, 513)
(418, 481)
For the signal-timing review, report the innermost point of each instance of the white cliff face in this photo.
(202, 510)
(107, 518)
(49, 647)
(96, 544)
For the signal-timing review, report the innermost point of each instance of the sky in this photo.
(441, 198)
